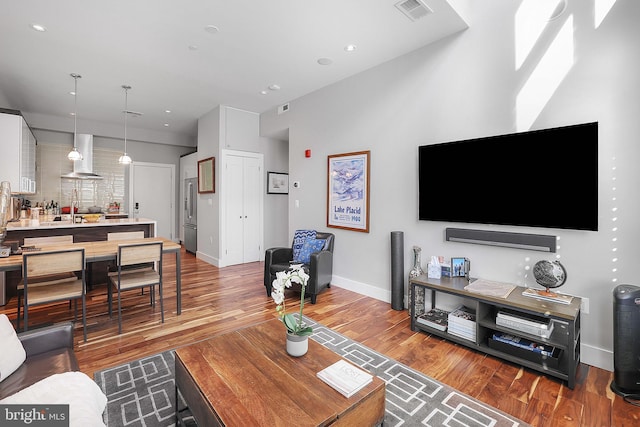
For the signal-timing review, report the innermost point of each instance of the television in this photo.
(543, 178)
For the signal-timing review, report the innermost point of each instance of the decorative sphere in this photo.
(550, 274)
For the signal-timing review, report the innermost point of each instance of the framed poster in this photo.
(207, 175)
(277, 183)
(348, 191)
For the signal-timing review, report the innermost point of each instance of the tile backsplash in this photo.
(52, 163)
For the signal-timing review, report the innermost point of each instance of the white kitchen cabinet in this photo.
(18, 160)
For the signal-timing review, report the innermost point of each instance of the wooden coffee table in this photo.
(246, 378)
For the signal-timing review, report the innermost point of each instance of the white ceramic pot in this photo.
(297, 345)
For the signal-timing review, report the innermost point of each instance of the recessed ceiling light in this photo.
(274, 87)
(38, 27)
(263, 92)
(72, 93)
(167, 111)
(325, 61)
(350, 47)
(166, 124)
(212, 29)
(193, 47)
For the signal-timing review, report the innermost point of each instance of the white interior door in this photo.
(243, 209)
(252, 195)
(234, 241)
(152, 195)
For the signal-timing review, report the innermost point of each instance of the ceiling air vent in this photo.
(414, 9)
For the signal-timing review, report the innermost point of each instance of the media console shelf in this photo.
(565, 336)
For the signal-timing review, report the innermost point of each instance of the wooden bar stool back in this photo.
(50, 277)
(125, 278)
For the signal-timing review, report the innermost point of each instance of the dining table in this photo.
(105, 250)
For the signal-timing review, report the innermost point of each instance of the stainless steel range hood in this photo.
(83, 169)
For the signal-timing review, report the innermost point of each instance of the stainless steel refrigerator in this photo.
(190, 215)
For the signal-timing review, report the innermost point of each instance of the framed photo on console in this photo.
(458, 267)
(348, 191)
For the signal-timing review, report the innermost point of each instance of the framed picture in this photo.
(348, 191)
(277, 183)
(207, 175)
(458, 267)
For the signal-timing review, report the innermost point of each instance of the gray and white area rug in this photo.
(142, 393)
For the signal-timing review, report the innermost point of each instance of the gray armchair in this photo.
(319, 268)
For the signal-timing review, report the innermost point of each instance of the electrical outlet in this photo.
(584, 307)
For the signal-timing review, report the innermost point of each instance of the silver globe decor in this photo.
(550, 274)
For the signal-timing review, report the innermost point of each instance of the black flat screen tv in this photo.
(544, 178)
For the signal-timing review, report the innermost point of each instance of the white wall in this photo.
(230, 128)
(4, 101)
(276, 206)
(469, 86)
(209, 203)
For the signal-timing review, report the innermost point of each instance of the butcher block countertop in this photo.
(27, 224)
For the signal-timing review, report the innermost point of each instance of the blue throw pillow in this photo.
(299, 237)
(309, 247)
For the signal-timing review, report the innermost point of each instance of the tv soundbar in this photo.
(533, 242)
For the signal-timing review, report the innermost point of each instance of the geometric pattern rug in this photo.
(142, 393)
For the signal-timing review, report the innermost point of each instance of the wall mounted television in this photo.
(544, 178)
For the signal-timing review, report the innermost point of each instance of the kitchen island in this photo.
(81, 232)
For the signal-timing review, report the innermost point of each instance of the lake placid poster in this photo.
(348, 191)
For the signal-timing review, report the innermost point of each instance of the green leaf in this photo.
(306, 331)
(290, 322)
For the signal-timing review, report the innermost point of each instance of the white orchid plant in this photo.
(284, 279)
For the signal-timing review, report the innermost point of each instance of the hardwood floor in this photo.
(217, 300)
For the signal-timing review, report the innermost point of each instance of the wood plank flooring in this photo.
(218, 300)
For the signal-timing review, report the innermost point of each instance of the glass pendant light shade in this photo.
(75, 154)
(125, 159)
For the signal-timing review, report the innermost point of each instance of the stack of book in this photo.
(345, 377)
(462, 323)
(434, 318)
(533, 326)
(552, 296)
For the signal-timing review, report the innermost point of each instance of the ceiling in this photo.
(190, 56)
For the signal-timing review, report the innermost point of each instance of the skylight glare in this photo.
(546, 77)
(601, 10)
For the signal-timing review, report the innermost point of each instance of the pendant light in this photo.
(75, 154)
(125, 159)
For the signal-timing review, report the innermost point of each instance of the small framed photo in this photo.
(458, 267)
(277, 183)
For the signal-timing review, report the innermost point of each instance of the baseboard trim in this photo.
(208, 259)
(364, 289)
